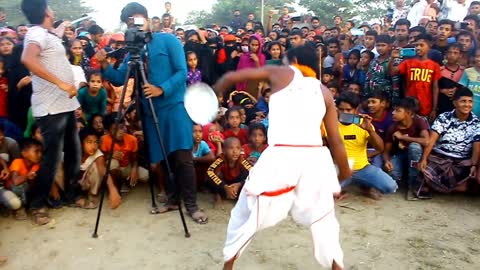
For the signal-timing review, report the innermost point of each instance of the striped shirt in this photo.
(48, 98)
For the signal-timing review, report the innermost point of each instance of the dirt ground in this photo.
(443, 233)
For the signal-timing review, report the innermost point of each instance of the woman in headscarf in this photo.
(252, 57)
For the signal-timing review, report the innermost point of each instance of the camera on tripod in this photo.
(135, 37)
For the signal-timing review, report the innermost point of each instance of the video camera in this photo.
(135, 37)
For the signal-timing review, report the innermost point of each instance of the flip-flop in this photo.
(167, 208)
(199, 217)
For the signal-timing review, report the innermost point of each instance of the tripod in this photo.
(136, 66)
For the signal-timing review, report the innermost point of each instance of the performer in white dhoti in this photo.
(296, 173)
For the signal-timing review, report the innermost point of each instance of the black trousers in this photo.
(184, 182)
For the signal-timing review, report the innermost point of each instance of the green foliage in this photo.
(358, 10)
(222, 11)
(63, 9)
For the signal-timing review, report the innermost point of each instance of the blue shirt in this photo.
(202, 150)
(167, 69)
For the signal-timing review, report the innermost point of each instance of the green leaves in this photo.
(63, 9)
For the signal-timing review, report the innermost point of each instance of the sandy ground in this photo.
(443, 233)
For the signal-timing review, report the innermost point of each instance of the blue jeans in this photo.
(407, 159)
(377, 161)
(59, 133)
(372, 177)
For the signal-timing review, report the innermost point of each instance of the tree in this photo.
(222, 10)
(63, 9)
(199, 18)
(357, 10)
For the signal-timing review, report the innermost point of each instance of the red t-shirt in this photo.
(242, 135)
(420, 76)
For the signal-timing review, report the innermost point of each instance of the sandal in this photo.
(199, 217)
(87, 204)
(20, 214)
(167, 208)
(40, 216)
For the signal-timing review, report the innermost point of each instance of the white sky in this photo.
(108, 11)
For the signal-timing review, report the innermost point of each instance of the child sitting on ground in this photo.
(227, 174)
(234, 129)
(23, 173)
(124, 167)
(202, 155)
(93, 99)
(257, 134)
(214, 139)
(93, 169)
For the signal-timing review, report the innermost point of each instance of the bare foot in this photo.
(218, 202)
(3, 260)
(335, 266)
(373, 194)
(115, 199)
(228, 265)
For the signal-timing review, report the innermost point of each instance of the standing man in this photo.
(53, 106)
(237, 21)
(167, 73)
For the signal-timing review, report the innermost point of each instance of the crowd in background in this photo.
(414, 79)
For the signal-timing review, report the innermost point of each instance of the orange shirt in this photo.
(19, 166)
(129, 146)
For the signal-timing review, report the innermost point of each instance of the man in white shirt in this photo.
(53, 106)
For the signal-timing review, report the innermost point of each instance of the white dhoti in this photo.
(296, 180)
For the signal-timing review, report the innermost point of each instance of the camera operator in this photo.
(167, 75)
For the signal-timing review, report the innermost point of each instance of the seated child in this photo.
(23, 172)
(7, 198)
(334, 89)
(9, 149)
(97, 125)
(125, 156)
(404, 143)
(227, 174)
(262, 104)
(93, 99)
(92, 167)
(257, 134)
(214, 138)
(234, 129)
(202, 155)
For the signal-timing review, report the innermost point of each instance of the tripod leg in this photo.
(103, 188)
(164, 151)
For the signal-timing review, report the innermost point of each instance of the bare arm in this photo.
(422, 140)
(208, 158)
(334, 141)
(375, 140)
(278, 76)
(386, 152)
(431, 143)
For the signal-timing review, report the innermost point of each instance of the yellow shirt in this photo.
(355, 140)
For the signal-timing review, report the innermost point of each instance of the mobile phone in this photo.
(408, 52)
(357, 32)
(275, 11)
(348, 118)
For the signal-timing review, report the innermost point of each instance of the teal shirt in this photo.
(92, 104)
(471, 79)
(167, 69)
